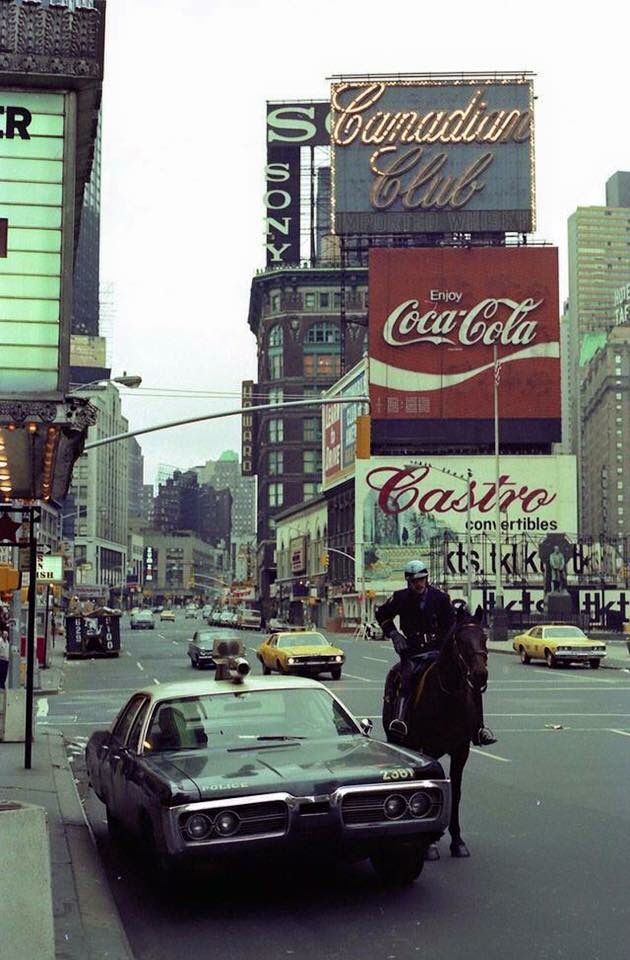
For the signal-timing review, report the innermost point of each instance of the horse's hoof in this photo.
(459, 849)
(432, 852)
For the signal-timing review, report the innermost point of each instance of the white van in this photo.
(250, 620)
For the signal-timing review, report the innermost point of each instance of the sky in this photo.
(184, 104)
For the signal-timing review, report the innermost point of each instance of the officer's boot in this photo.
(398, 725)
(483, 736)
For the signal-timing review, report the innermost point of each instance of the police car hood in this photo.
(302, 768)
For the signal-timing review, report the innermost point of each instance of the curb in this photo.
(103, 930)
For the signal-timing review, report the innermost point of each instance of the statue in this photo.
(557, 566)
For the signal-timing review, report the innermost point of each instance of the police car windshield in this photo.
(240, 719)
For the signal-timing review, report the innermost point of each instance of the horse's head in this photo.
(470, 648)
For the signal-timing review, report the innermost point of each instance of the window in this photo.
(309, 301)
(275, 365)
(312, 428)
(324, 300)
(276, 431)
(275, 495)
(323, 333)
(276, 395)
(326, 365)
(312, 461)
(311, 490)
(276, 462)
(276, 336)
(275, 302)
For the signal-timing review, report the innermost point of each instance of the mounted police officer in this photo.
(426, 618)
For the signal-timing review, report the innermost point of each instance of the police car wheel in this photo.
(398, 865)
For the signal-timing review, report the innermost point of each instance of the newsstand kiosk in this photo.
(93, 634)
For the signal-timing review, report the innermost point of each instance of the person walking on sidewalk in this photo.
(4, 657)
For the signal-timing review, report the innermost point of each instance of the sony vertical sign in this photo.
(290, 126)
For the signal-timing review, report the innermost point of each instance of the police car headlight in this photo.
(227, 823)
(394, 806)
(199, 826)
(419, 804)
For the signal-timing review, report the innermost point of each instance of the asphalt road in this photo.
(546, 815)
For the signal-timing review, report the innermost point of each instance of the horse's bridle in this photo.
(466, 669)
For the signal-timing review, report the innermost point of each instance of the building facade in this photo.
(310, 324)
(225, 473)
(606, 439)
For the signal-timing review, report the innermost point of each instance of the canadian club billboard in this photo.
(404, 508)
(436, 317)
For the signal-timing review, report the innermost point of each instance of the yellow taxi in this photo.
(300, 651)
(558, 643)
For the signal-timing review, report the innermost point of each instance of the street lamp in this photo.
(126, 380)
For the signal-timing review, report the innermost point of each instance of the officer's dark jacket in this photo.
(433, 622)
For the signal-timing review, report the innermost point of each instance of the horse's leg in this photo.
(458, 762)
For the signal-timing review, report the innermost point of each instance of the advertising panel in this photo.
(297, 550)
(436, 316)
(32, 239)
(424, 155)
(339, 428)
(290, 126)
(401, 509)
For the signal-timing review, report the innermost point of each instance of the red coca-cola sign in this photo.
(441, 317)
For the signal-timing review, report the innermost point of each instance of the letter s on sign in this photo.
(277, 172)
(287, 118)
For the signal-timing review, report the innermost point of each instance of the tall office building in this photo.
(85, 304)
(599, 264)
(136, 478)
(226, 473)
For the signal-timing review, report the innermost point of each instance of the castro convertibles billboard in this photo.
(402, 507)
(435, 318)
(424, 155)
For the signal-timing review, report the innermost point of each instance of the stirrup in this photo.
(485, 737)
(398, 727)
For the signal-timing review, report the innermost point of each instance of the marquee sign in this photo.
(435, 318)
(426, 155)
(35, 174)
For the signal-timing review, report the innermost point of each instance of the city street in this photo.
(545, 814)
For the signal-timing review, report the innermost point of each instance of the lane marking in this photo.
(139, 665)
(549, 716)
(622, 733)
(155, 680)
(490, 756)
(536, 689)
(128, 652)
(366, 679)
(42, 707)
(375, 659)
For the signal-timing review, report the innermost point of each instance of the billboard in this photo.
(435, 318)
(426, 155)
(402, 507)
(35, 183)
(339, 428)
(290, 126)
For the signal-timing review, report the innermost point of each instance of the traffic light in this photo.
(324, 560)
(9, 578)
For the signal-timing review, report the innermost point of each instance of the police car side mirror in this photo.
(366, 726)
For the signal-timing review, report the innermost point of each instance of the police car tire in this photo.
(398, 865)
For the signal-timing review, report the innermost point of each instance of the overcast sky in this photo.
(184, 153)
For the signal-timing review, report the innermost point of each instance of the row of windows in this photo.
(317, 333)
(275, 492)
(311, 462)
(311, 429)
(317, 300)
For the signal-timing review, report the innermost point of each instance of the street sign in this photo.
(50, 568)
(44, 548)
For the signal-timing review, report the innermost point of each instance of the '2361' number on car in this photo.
(398, 773)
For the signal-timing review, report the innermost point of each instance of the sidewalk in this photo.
(87, 925)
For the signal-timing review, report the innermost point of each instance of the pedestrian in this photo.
(426, 618)
(4, 657)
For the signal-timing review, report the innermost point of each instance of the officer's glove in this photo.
(400, 642)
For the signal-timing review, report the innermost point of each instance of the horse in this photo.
(444, 710)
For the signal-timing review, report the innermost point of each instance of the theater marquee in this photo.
(425, 155)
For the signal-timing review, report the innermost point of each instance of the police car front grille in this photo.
(366, 808)
(269, 818)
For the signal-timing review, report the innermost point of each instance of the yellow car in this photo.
(558, 643)
(300, 651)
(167, 615)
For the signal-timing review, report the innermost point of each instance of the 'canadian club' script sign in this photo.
(426, 156)
(436, 316)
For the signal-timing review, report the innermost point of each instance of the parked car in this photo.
(216, 771)
(142, 620)
(158, 609)
(191, 612)
(249, 620)
(558, 643)
(300, 651)
(206, 612)
(200, 648)
(167, 615)
(228, 618)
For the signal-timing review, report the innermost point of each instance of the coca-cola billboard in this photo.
(402, 507)
(436, 319)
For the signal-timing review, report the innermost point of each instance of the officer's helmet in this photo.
(415, 570)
